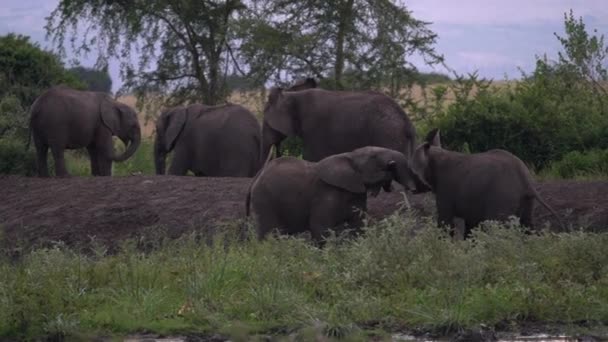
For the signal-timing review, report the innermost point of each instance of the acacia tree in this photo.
(371, 42)
(181, 45)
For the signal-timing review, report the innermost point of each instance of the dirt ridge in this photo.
(75, 209)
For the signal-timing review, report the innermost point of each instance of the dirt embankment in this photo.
(74, 210)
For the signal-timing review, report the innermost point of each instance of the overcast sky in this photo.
(492, 36)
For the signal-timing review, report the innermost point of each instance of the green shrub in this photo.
(561, 107)
(14, 159)
(404, 272)
(580, 164)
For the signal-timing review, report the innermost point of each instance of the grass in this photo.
(142, 161)
(402, 274)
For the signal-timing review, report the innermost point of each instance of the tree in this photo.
(374, 40)
(183, 45)
(26, 69)
(95, 80)
(584, 53)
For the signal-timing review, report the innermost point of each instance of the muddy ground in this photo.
(110, 209)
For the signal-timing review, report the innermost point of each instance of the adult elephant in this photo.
(295, 196)
(64, 118)
(332, 122)
(213, 141)
(492, 185)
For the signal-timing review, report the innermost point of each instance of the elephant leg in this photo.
(328, 214)
(58, 155)
(266, 224)
(468, 227)
(94, 156)
(104, 166)
(526, 217)
(180, 163)
(41, 158)
(445, 216)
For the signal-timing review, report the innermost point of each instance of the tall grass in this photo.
(403, 273)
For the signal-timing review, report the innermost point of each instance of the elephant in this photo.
(65, 118)
(333, 122)
(296, 196)
(492, 185)
(212, 141)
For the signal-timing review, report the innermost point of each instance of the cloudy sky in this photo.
(494, 37)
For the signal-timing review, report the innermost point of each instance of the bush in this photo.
(15, 160)
(580, 164)
(561, 107)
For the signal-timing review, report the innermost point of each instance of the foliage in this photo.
(584, 53)
(590, 164)
(26, 69)
(403, 272)
(95, 80)
(15, 160)
(13, 136)
(372, 41)
(184, 46)
(549, 113)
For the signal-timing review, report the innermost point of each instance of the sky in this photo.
(493, 37)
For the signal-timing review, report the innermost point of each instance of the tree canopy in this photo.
(189, 49)
(372, 42)
(94, 80)
(26, 69)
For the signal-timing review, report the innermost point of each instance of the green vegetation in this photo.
(560, 108)
(95, 80)
(590, 164)
(403, 273)
(142, 162)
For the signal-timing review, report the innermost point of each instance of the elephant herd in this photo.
(355, 143)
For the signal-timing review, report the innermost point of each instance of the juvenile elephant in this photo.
(332, 122)
(64, 118)
(476, 187)
(213, 141)
(294, 195)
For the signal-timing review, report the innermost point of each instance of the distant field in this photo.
(254, 101)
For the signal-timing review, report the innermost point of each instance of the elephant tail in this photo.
(551, 210)
(248, 199)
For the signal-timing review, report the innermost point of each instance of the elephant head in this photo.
(122, 121)
(169, 126)
(279, 120)
(367, 169)
(420, 160)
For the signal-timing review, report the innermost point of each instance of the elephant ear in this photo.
(433, 139)
(278, 114)
(176, 120)
(340, 171)
(110, 115)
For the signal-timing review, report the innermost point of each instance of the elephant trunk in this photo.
(160, 156)
(270, 137)
(133, 143)
(405, 176)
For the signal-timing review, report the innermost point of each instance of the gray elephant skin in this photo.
(212, 141)
(295, 196)
(64, 118)
(492, 185)
(333, 122)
